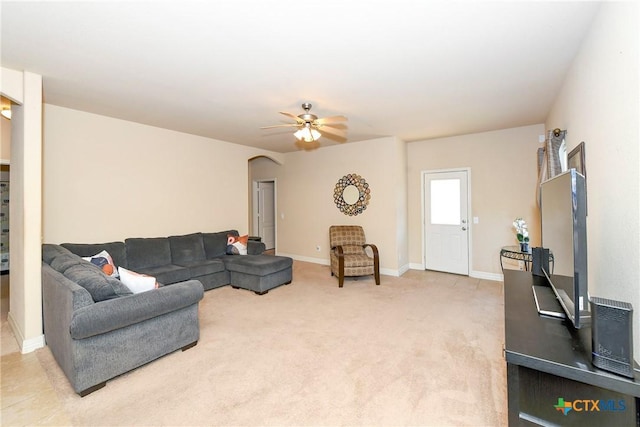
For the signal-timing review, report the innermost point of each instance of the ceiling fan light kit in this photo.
(307, 134)
(310, 126)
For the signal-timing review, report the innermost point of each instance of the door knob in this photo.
(464, 228)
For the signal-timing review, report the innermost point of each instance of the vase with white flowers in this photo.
(522, 234)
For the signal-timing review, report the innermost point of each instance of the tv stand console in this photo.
(550, 377)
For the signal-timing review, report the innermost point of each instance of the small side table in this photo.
(514, 252)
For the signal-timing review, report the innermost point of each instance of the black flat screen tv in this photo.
(564, 233)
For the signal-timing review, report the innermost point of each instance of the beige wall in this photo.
(107, 179)
(504, 174)
(149, 171)
(599, 104)
(305, 206)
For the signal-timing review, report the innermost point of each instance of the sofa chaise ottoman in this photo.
(258, 273)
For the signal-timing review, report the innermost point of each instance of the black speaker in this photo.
(540, 260)
(612, 336)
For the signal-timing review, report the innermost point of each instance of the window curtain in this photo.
(549, 158)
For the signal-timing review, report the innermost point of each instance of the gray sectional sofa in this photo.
(199, 256)
(97, 328)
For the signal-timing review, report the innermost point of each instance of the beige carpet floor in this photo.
(422, 349)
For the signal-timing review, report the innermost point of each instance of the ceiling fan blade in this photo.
(332, 131)
(293, 116)
(332, 119)
(281, 126)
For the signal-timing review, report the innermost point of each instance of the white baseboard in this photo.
(33, 344)
(323, 261)
(17, 333)
(403, 269)
(306, 259)
(476, 274)
(487, 276)
(26, 345)
(389, 272)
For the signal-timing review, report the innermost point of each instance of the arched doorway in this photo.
(263, 172)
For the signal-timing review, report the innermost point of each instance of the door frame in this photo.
(254, 207)
(423, 176)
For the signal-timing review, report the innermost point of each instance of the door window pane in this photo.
(445, 202)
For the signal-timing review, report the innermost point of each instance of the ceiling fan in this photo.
(311, 127)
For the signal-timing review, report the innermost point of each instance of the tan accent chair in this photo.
(348, 255)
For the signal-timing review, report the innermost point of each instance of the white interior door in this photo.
(446, 222)
(267, 213)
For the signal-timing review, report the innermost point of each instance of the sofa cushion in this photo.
(215, 244)
(202, 268)
(50, 251)
(186, 248)
(352, 249)
(100, 286)
(357, 261)
(117, 250)
(257, 265)
(167, 274)
(147, 252)
(62, 262)
(255, 248)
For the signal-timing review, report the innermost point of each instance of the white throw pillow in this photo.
(136, 282)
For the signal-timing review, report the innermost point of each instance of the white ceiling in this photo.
(223, 69)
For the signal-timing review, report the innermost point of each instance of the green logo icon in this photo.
(563, 406)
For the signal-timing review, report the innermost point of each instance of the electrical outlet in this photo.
(318, 248)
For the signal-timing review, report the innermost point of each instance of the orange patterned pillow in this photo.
(237, 245)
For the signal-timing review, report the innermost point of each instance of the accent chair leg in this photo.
(340, 270)
(376, 267)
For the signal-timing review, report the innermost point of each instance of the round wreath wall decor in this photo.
(352, 194)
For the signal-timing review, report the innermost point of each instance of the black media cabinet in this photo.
(549, 365)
